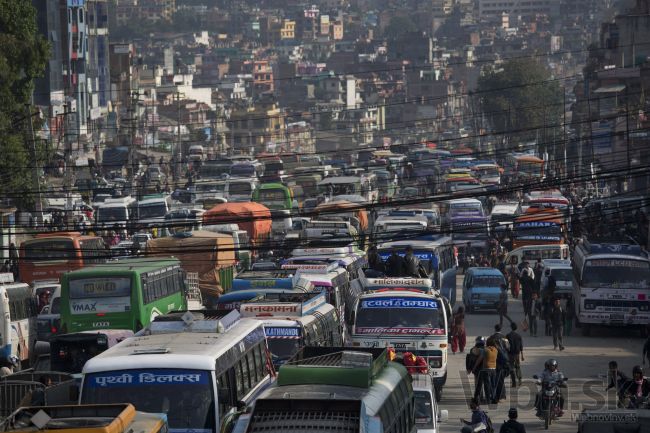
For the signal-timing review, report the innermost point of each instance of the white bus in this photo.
(17, 318)
(295, 320)
(406, 320)
(611, 285)
(196, 370)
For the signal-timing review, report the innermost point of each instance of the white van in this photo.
(563, 273)
(427, 413)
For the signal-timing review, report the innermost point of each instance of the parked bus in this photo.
(240, 189)
(116, 214)
(470, 228)
(197, 368)
(113, 418)
(364, 185)
(406, 320)
(151, 211)
(17, 318)
(124, 294)
(531, 253)
(295, 320)
(337, 389)
(611, 285)
(50, 255)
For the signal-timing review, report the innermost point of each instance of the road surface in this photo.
(584, 362)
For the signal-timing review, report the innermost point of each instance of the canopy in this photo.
(253, 217)
(201, 252)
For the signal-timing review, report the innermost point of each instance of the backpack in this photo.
(470, 361)
(488, 422)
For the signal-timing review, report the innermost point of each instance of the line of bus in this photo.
(199, 368)
(547, 227)
(50, 255)
(124, 294)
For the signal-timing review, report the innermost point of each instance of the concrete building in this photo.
(254, 127)
(98, 74)
(491, 10)
(152, 11)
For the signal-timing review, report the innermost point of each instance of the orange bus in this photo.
(545, 227)
(525, 166)
(49, 255)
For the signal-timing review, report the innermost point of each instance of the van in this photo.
(563, 273)
(48, 321)
(427, 413)
(482, 288)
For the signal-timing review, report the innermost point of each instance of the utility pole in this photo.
(177, 154)
(566, 168)
(36, 173)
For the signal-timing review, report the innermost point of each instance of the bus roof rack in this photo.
(284, 305)
(333, 366)
(613, 246)
(193, 321)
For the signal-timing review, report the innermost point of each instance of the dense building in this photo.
(152, 11)
(492, 10)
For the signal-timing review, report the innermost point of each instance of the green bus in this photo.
(274, 195)
(123, 294)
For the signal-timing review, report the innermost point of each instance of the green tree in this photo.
(23, 55)
(521, 100)
(398, 26)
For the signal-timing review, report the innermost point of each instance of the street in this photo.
(584, 362)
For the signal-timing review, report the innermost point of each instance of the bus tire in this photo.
(586, 330)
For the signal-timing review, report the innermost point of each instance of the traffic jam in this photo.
(321, 296)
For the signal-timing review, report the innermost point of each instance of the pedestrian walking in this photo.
(516, 355)
(489, 371)
(512, 425)
(502, 305)
(459, 338)
(535, 313)
(569, 308)
(547, 307)
(537, 272)
(477, 364)
(503, 362)
(557, 317)
(527, 281)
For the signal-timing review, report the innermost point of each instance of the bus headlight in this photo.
(435, 362)
(590, 306)
(644, 306)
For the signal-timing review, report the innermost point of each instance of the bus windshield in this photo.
(240, 188)
(616, 273)
(562, 274)
(154, 210)
(487, 281)
(530, 168)
(283, 348)
(399, 316)
(274, 198)
(539, 230)
(185, 396)
(423, 410)
(110, 214)
(60, 249)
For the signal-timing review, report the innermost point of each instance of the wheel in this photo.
(547, 418)
(586, 330)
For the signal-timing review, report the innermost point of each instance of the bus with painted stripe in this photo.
(17, 318)
(295, 320)
(406, 320)
(198, 367)
(123, 294)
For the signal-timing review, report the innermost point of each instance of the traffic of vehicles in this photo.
(259, 308)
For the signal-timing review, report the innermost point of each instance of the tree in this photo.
(398, 26)
(521, 100)
(23, 55)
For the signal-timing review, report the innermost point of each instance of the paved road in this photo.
(584, 362)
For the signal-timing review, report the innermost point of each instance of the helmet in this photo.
(480, 341)
(551, 363)
(637, 370)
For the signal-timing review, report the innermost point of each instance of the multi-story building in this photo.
(254, 127)
(153, 11)
(98, 74)
(262, 77)
(492, 10)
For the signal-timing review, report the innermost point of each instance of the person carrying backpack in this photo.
(512, 425)
(503, 363)
(478, 417)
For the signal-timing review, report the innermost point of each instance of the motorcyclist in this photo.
(637, 388)
(551, 374)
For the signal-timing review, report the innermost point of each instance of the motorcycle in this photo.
(631, 401)
(549, 405)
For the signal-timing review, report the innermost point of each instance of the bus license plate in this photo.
(397, 346)
(617, 317)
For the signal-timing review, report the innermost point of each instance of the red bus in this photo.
(49, 255)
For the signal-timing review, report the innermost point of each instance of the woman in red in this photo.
(458, 336)
(513, 273)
